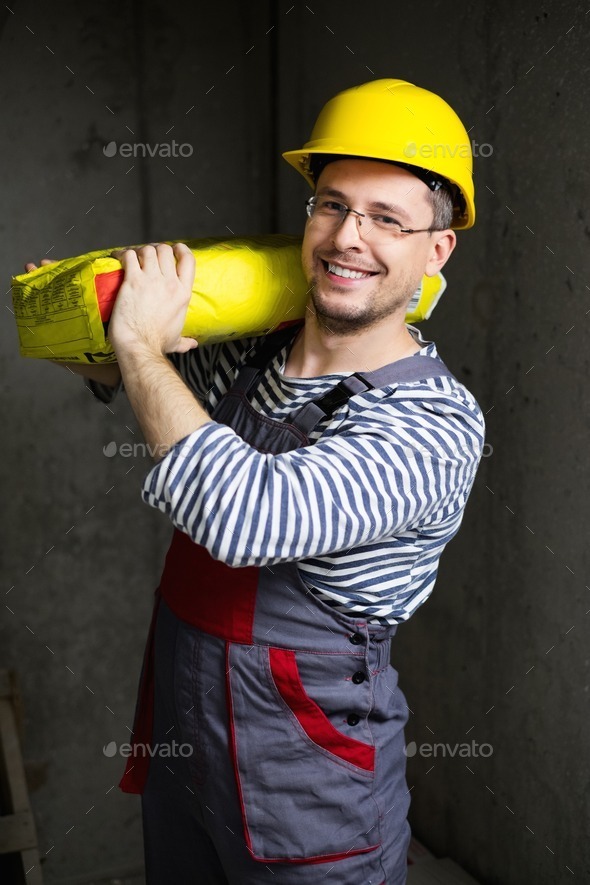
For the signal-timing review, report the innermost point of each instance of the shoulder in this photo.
(441, 410)
(441, 396)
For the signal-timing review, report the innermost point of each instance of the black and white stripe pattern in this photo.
(365, 512)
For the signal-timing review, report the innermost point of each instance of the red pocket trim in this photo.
(311, 717)
(233, 748)
(325, 858)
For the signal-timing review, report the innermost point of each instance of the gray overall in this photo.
(286, 714)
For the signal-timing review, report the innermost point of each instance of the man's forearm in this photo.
(166, 409)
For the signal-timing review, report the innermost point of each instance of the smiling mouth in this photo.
(346, 273)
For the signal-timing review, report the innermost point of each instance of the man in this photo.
(313, 477)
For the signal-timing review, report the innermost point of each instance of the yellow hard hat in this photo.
(396, 121)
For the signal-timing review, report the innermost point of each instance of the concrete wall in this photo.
(499, 655)
(492, 657)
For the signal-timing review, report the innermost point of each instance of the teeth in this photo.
(346, 272)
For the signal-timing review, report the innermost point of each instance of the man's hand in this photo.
(145, 325)
(30, 265)
(151, 305)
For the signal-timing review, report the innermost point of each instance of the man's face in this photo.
(395, 267)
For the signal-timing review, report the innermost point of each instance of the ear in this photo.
(441, 246)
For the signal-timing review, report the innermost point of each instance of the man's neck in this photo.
(316, 351)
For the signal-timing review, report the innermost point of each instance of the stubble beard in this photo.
(348, 319)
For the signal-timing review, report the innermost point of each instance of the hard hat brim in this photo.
(300, 160)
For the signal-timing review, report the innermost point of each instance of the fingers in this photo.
(128, 259)
(30, 265)
(160, 257)
(165, 257)
(185, 264)
(146, 257)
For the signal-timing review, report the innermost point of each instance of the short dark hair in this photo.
(442, 194)
(443, 208)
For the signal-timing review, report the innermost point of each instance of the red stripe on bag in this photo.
(107, 286)
(312, 719)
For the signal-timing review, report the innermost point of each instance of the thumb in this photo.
(185, 344)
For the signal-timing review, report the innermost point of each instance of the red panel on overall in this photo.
(207, 593)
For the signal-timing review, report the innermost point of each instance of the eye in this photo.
(331, 206)
(386, 221)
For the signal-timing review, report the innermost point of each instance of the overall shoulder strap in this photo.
(412, 368)
(265, 348)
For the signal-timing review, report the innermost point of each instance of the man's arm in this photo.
(407, 466)
(374, 479)
(145, 326)
(166, 409)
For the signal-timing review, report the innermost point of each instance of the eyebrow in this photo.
(384, 207)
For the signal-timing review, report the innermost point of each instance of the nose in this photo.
(347, 235)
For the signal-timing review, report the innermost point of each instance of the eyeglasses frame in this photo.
(309, 203)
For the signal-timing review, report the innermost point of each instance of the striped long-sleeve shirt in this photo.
(365, 511)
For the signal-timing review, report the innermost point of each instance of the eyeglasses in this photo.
(379, 228)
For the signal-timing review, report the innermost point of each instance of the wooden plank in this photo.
(17, 832)
(13, 787)
(17, 826)
(32, 867)
(10, 690)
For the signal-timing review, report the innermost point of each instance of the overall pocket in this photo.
(305, 787)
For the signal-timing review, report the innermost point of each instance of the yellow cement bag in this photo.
(243, 286)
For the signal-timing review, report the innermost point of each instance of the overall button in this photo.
(356, 638)
(353, 719)
(358, 677)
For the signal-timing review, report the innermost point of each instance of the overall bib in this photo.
(286, 714)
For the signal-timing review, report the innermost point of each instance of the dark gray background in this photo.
(499, 654)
